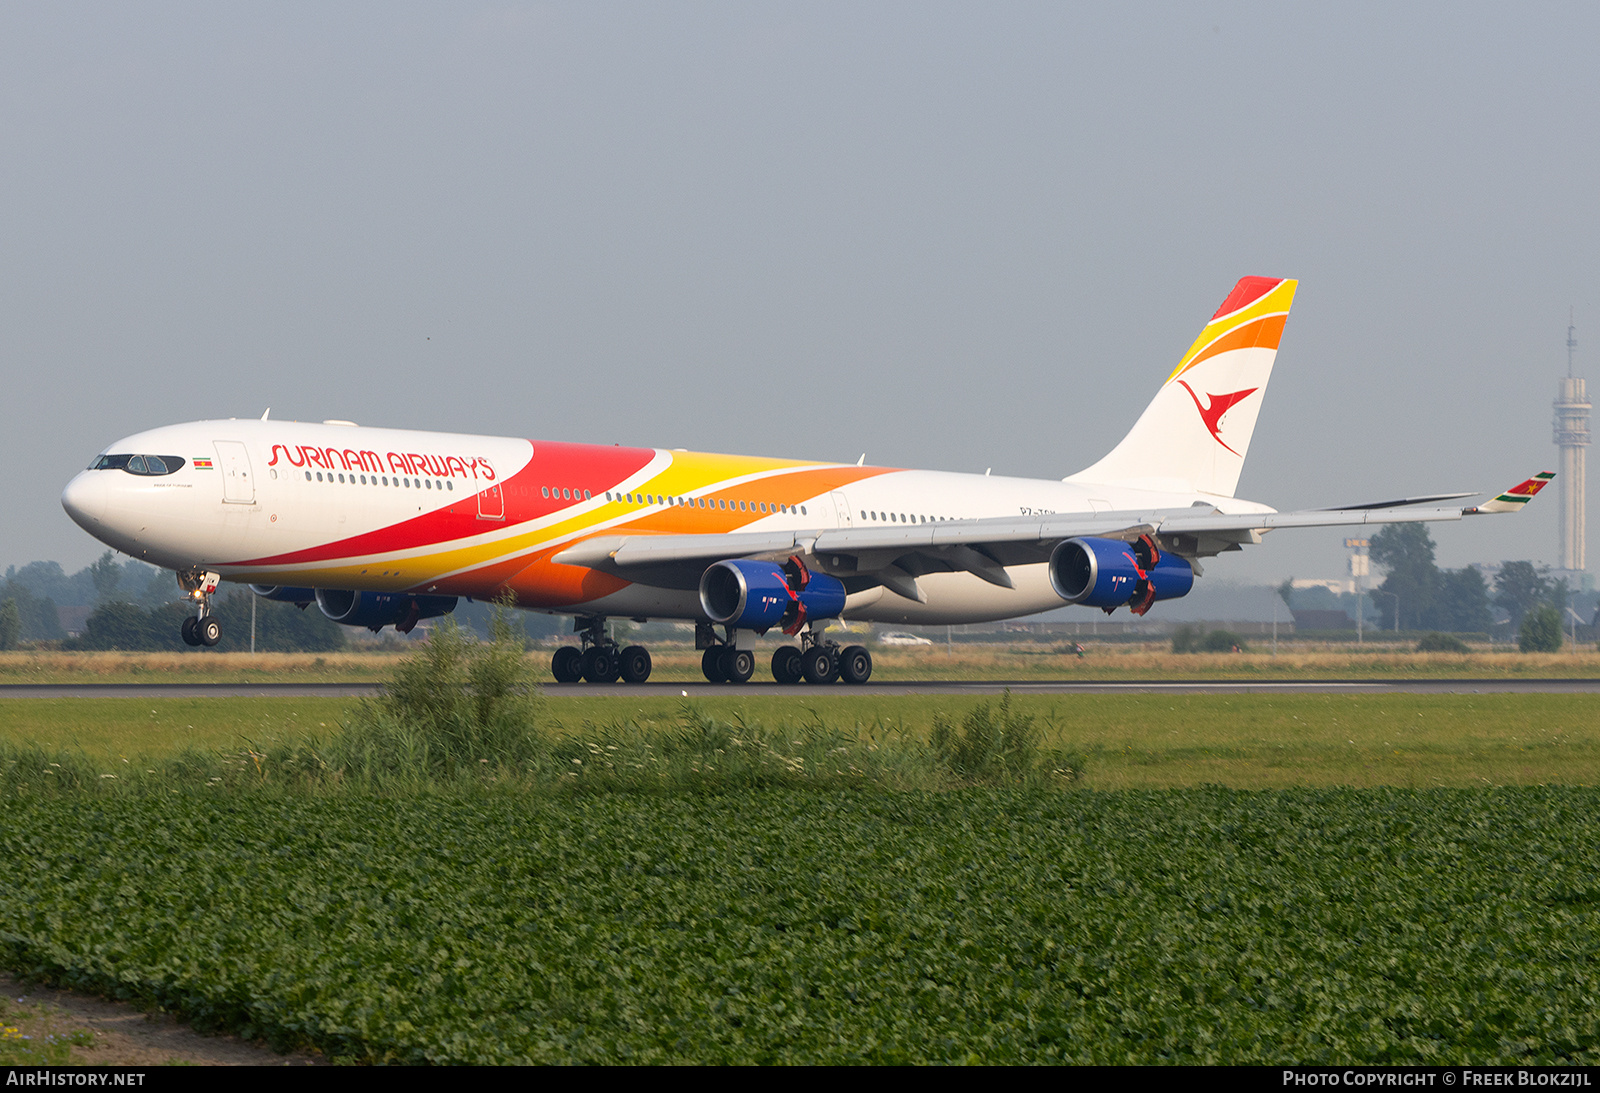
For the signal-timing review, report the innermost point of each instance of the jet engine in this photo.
(752, 595)
(375, 610)
(1108, 573)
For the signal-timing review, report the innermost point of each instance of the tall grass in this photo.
(463, 713)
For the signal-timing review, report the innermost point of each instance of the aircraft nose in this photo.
(85, 499)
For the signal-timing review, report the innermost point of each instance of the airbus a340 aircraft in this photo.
(386, 527)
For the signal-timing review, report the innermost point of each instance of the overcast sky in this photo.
(950, 236)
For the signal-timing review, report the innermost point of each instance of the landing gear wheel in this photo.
(187, 630)
(635, 664)
(817, 665)
(738, 665)
(598, 665)
(567, 665)
(208, 630)
(786, 664)
(711, 664)
(855, 664)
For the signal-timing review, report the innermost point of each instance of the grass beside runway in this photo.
(1125, 741)
(1022, 662)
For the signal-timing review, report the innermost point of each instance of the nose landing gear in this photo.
(199, 585)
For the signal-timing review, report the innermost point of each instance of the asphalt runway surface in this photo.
(954, 687)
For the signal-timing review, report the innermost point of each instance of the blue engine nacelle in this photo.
(1108, 573)
(300, 597)
(751, 595)
(375, 610)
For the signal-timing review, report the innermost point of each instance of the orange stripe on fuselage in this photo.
(543, 583)
(546, 584)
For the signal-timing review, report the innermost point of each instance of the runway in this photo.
(701, 689)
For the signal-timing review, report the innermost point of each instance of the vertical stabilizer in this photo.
(1194, 435)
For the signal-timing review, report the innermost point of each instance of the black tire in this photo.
(567, 664)
(817, 665)
(855, 664)
(599, 665)
(711, 664)
(208, 630)
(738, 665)
(635, 663)
(187, 630)
(786, 664)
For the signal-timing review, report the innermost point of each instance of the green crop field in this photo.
(466, 871)
(991, 926)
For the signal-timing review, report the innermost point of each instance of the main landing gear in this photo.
(814, 660)
(202, 628)
(599, 659)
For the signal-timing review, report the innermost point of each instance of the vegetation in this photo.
(999, 746)
(1426, 597)
(1196, 639)
(1520, 589)
(467, 871)
(1540, 631)
(991, 926)
(10, 625)
(1435, 642)
(280, 627)
(31, 1037)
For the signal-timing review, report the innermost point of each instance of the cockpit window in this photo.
(139, 464)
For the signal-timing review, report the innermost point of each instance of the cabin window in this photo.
(586, 495)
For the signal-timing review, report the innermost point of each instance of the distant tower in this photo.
(1572, 437)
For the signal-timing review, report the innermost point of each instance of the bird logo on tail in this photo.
(1220, 404)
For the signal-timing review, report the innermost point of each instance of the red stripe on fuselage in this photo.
(557, 466)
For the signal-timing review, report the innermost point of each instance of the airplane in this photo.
(386, 527)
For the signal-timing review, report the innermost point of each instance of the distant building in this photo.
(1307, 619)
(1572, 438)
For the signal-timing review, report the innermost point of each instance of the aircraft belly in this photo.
(963, 597)
(644, 601)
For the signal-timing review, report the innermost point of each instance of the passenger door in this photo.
(238, 487)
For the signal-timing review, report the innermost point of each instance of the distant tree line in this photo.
(280, 627)
(138, 606)
(1417, 595)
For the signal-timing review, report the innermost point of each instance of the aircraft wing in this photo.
(896, 554)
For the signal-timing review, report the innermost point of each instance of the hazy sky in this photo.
(952, 236)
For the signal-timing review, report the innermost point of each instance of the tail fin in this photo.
(1194, 435)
